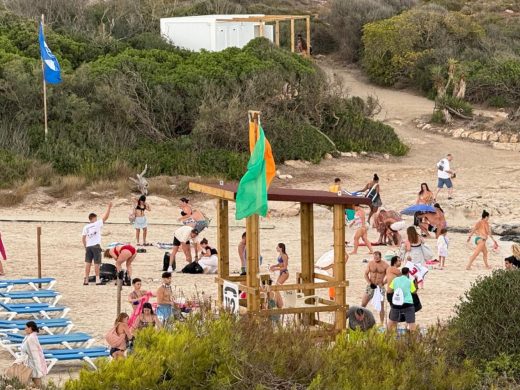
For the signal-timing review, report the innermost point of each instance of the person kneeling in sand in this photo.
(208, 258)
(360, 318)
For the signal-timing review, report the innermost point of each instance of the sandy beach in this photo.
(486, 178)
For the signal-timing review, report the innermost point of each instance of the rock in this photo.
(327, 156)
(515, 147)
(363, 153)
(507, 229)
(477, 135)
(427, 127)
(346, 154)
(513, 238)
(457, 132)
(93, 193)
(514, 138)
(502, 115)
(296, 164)
(285, 177)
(504, 138)
(465, 134)
(509, 11)
(386, 156)
(278, 172)
(419, 125)
(493, 136)
(354, 154)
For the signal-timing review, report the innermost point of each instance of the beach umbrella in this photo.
(418, 208)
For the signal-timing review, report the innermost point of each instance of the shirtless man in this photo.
(394, 270)
(481, 231)
(375, 277)
(434, 222)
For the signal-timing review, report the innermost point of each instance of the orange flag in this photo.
(270, 167)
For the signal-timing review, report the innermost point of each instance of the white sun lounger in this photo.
(35, 309)
(9, 284)
(36, 296)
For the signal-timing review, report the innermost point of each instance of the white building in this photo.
(214, 32)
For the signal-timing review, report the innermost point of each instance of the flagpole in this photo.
(44, 92)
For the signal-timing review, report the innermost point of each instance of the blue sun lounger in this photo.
(9, 284)
(42, 309)
(36, 296)
(63, 325)
(85, 354)
(12, 342)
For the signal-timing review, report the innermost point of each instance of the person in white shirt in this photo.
(91, 238)
(444, 175)
(442, 247)
(181, 239)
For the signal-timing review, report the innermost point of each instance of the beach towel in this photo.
(138, 310)
(164, 245)
(377, 299)
(2, 249)
(113, 244)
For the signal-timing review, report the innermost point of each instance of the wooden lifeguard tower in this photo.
(225, 193)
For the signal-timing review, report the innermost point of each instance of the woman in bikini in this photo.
(118, 337)
(425, 196)
(147, 318)
(361, 230)
(481, 231)
(140, 222)
(122, 254)
(373, 193)
(283, 263)
(190, 217)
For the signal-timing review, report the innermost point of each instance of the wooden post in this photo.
(292, 35)
(119, 289)
(39, 252)
(262, 29)
(253, 255)
(222, 243)
(307, 250)
(339, 264)
(308, 25)
(277, 33)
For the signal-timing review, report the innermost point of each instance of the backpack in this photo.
(440, 165)
(398, 298)
(193, 268)
(107, 272)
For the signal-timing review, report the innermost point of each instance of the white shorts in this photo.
(140, 223)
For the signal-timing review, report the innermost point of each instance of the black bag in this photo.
(193, 268)
(166, 262)
(107, 272)
(126, 280)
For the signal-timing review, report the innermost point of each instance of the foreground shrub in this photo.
(487, 320)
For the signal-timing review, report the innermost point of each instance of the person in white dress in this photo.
(442, 247)
(32, 353)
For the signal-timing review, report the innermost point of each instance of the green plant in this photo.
(487, 319)
(437, 117)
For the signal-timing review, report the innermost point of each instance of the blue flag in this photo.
(51, 67)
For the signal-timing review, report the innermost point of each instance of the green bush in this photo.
(459, 105)
(12, 168)
(487, 320)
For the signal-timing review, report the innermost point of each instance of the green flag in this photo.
(252, 189)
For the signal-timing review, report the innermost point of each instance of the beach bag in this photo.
(19, 371)
(193, 268)
(427, 252)
(440, 165)
(126, 279)
(113, 339)
(398, 298)
(131, 216)
(107, 272)
(372, 193)
(166, 262)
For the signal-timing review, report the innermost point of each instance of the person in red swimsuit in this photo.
(122, 254)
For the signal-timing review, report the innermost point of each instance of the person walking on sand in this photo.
(361, 230)
(140, 222)
(282, 264)
(405, 287)
(481, 231)
(33, 352)
(444, 176)
(122, 254)
(442, 247)
(375, 277)
(373, 192)
(91, 239)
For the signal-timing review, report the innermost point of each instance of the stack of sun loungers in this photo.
(22, 300)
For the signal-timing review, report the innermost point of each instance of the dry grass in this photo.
(66, 186)
(43, 173)
(18, 194)
(123, 187)
(102, 186)
(160, 186)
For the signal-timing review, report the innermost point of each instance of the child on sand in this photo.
(442, 247)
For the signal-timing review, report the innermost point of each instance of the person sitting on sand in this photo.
(208, 257)
(191, 217)
(375, 277)
(122, 254)
(336, 186)
(135, 296)
(282, 264)
(373, 192)
(513, 262)
(425, 196)
(147, 318)
(433, 222)
(360, 318)
(481, 231)
(140, 222)
(359, 223)
(118, 337)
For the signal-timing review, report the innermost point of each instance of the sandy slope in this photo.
(486, 178)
